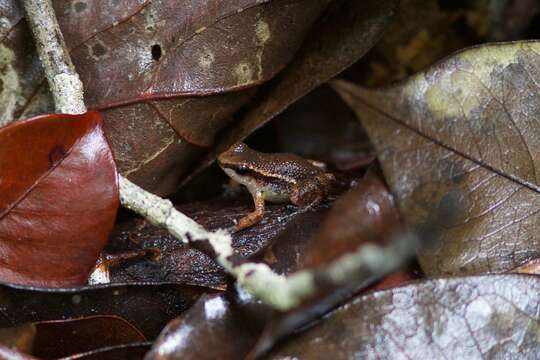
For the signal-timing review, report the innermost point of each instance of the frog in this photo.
(275, 178)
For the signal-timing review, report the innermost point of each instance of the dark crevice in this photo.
(156, 52)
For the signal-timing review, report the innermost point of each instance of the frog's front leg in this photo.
(255, 216)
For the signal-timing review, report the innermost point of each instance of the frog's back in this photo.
(292, 166)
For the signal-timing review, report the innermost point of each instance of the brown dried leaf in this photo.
(149, 307)
(484, 317)
(459, 146)
(365, 214)
(60, 338)
(216, 327)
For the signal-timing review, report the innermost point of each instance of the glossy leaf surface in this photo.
(459, 147)
(480, 317)
(58, 199)
(365, 214)
(216, 327)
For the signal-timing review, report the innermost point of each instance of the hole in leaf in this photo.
(156, 52)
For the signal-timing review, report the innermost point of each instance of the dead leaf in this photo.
(458, 145)
(216, 327)
(484, 317)
(61, 338)
(58, 199)
(134, 351)
(149, 307)
(422, 32)
(12, 354)
(365, 214)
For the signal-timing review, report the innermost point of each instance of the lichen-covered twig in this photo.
(258, 279)
(66, 87)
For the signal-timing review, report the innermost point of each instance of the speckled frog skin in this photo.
(277, 178)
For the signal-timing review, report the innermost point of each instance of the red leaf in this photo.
(58, 198)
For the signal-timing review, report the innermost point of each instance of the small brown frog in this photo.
(278, 178)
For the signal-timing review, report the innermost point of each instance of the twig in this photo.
(66, 87)
(258, 279)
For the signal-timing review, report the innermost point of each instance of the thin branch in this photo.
(66, 87)
(258, 279)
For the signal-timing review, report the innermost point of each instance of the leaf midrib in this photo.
(513, 178)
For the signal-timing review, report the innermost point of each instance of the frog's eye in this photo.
(242, 170)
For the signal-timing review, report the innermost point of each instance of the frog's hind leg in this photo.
(307, 194)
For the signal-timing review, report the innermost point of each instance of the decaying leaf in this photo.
(148, 307)
(60, 338)
(58, 199)
(133, 351)
(216, 327)
(484, 317)
(365, 214)
(459, 146)
(7, 353)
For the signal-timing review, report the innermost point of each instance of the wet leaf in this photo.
(227, 326)
(458, 145)
(216, 327)
(348, 31)
(130, 351)
(58, 199)
(365, 214)
(149, 307)
(482, 317)
(59, 338)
